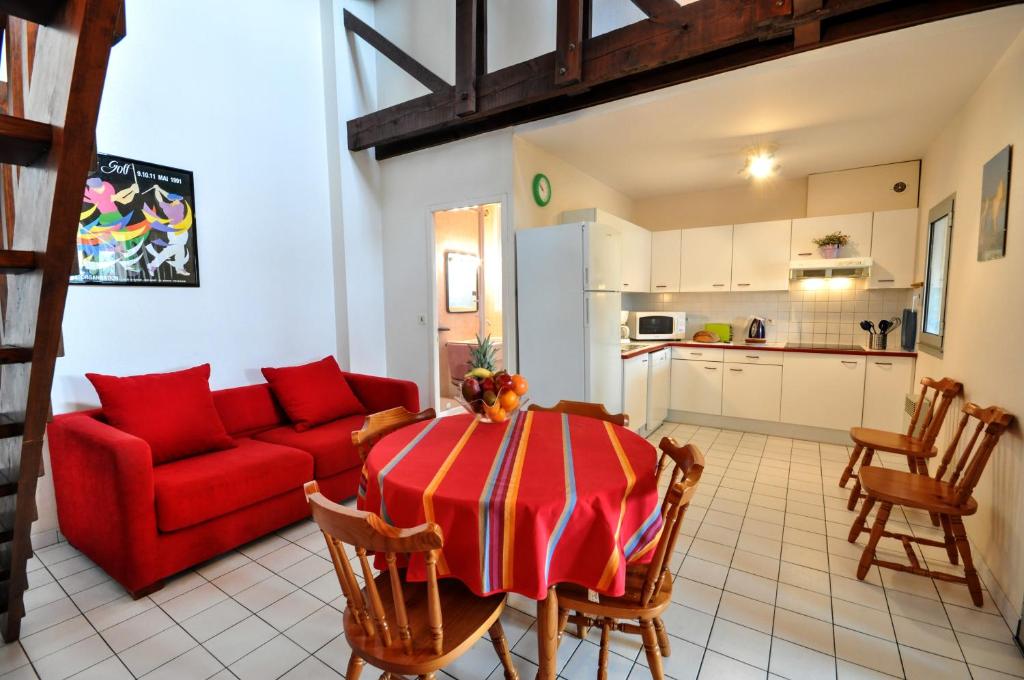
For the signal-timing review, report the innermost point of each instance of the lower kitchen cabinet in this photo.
(886, 383)
(697, 386)
(634, 391)
(751, 391)
(823, 390)
(658, 387)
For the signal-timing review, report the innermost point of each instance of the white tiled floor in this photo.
(766, 588)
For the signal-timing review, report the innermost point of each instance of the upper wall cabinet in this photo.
(665, 261)
(893, 243)
(706, 262)
(636, 259)
(806, 229)
(760, 256)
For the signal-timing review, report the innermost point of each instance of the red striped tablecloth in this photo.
(542, 499)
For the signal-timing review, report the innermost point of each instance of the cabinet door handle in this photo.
(887, 280)
(752, 356)
(696, 354)
(742, 284)
(883, 363)
(851, 363)
(625, 285)
(661, 285)
(736, 370)
(710, 368)
(804, 254)
(717, 285)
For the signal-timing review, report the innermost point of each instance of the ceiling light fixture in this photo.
(761, 164)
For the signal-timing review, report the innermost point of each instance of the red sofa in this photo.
(143, 523)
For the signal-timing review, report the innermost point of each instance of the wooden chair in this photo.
(949, 499)
(385, 422)
(917, 449)
(648, 586)
(395, 626)
(584, 408)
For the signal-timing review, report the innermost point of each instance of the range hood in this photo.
(850, 267)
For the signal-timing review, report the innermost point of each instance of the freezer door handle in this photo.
(586, 313)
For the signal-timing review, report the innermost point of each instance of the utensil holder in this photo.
(878, 341)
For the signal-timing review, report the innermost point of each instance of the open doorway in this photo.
(468, 278)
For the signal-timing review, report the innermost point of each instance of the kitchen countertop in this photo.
(649, 347)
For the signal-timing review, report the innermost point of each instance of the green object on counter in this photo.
(722, 330)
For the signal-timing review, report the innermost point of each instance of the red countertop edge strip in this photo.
(763, 348)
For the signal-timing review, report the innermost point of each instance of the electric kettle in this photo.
(755, 328)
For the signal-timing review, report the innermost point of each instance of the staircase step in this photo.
(17, 261)
(11, 425)
(36, 11)
(8, 482)
(12, 354)
(23, 142)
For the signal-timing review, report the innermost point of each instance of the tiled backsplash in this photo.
(825, 315)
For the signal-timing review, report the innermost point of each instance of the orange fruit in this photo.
(497, 414)
(519, 385)
(509, 400)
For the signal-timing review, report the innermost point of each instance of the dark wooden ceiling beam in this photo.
(421, 73)
(656, 8)
(470, 52)
(705, 38)
(573, 22)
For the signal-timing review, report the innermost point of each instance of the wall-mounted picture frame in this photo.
(137, 226)
(995, 206)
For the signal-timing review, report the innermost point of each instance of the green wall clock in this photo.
(541, 189)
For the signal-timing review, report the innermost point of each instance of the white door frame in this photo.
(508, 286)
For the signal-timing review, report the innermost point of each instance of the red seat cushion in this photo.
(314, 393)
(172, 412)
(200, 488)
(330, 444)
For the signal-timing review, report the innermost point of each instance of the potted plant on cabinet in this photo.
(830, 244)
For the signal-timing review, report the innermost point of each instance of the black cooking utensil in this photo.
(868, 326)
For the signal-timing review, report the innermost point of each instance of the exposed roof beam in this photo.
(705, 38)
(573, 22)
(655, 8)
(470, 52)
(421, 73)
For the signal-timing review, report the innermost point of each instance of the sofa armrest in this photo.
(103, 480)
(379, 394)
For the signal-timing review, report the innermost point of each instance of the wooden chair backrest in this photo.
(993, 421)
(385, 422)
(930, 421)
(367, 532)
(584, 408)
(688, 466)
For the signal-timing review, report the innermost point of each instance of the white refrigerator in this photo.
(568, 301)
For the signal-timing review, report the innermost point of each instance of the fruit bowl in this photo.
(492, 397)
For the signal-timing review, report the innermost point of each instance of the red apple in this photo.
(488, 385)
(471, 389)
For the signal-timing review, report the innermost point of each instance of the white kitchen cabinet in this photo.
(751, 391)
(706, 259)
(805, 229)
(665, 261)
(658, 387)
(636, 259)
(887, 381)
(760, 255)
(893, 244)
(697, 386)
(634, 391)
(823, 390)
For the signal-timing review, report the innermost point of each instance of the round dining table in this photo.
(541, 499)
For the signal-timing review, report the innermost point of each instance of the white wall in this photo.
(983, 313)
(206, 87)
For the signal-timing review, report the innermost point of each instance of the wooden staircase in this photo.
(57, 53)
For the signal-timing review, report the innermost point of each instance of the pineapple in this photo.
(481, 357)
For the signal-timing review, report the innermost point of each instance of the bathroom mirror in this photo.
(462, 275)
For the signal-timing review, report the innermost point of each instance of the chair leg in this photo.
(563, 621)
(970, 573)
(500, 643)
(868, 555)
(869, 455)
(355, 667)
(653, 650)
(663, 643)
(861, 522)
(947, 530)
(602, 659)
(848, 470)
(581, 630)
(426, 676)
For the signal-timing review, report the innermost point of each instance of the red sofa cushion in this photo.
(200, 488)
(172, 412)
(248, 409)
(330, 444)
(313, 393)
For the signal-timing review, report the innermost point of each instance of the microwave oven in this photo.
(657, 325)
